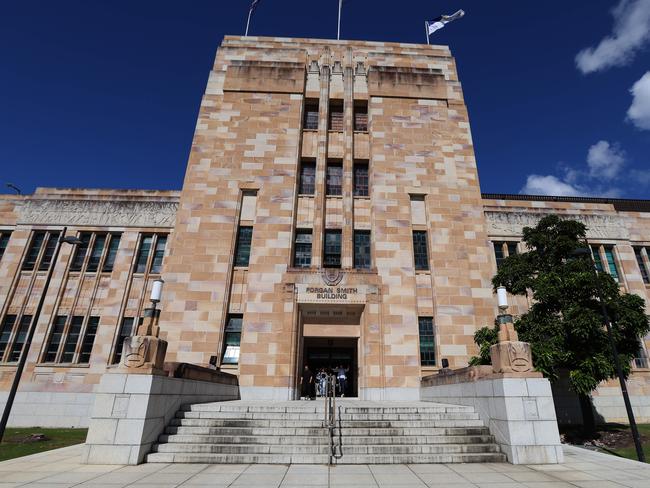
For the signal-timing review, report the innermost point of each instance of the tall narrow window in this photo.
(113, 246)
(48, 254)
(609, 264)
(420, 251)
(21, 336)
(302, 249)
(334, 178)
(96, 253)
(503, 249)
(362, 249)
(361, 115)
(332, 249)
(33, 251)
(126, 330)
(4, 242)
(336, 120)
(80, 251)
(5, 334)
(89, 340)
(232, 339)
(55, 339)
(143, 254)
(598, 262)
(645, 273)
(311, 115)
(307, 183)
(427, 342)
(158, 254)
(360, 179)
(72, 339)
(641, 359)
(243, 247)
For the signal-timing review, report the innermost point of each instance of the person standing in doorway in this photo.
(307, 383)
(341, 377)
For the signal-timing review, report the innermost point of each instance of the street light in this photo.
(154, 298)
(28, 342)
(585, 251)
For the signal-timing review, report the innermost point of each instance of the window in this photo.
(641, 359)
(80, 251)
(332, 250)
(360, 179)
(232, 339)
(643, 267)
(158, 254)
(607, 265)
(62, 346)
(334, 178)
(362, 249)
(39, 240)
(96, 253)
(126, 330)
(148, 242)
(361, 116)
(243, 247)
(5, 334)
(55, 338)
(89, 340)
(4, 242)
(503, 249)
(420, 252)
(21, 336)
(307, 183)
(311, 115)
(336, 120)
(427, 341)
(302, 249)
(113, 245)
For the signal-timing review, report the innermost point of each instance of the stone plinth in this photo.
(132, 410)
(517, 407)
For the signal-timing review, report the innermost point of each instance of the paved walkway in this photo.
(584, 469)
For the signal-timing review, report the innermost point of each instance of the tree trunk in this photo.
(588, 420)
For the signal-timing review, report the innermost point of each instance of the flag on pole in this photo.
(254, 5)
(443, 20)
(250, 12)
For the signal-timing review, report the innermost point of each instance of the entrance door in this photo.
(331, 353)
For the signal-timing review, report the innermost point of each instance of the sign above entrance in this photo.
(333, 294)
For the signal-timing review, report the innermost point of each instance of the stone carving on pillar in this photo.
(510, 355)
(144, 353)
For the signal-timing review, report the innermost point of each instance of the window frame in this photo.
(359, 189)
(303, 188)
(361, 108)
(238, 259)
(642, 255)
(420, 264)
(306, 121)
(5, 237)
(65, 347)
(331, 189)
(504, 248)
(357, 255)
(427, 362)
(602, 262)
(39, 253)
(232, 330)
(336, 106)
(326, 253)
(302, 263)
(147, 268)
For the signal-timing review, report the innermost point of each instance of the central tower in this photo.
(330, 215)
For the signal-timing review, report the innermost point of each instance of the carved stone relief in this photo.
(598, 226)
(98, 213)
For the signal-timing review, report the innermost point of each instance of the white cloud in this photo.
(549, 185)
(639, 111)
(641, 175)
(605, 160)
(631, 32)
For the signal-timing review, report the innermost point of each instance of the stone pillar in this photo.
(144, 353)
(510, 355)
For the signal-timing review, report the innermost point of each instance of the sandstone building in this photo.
(331, 214)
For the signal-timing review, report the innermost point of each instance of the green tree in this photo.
(564, 324)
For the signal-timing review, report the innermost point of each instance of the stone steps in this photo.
(293, 432)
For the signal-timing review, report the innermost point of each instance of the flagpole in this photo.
(338, 32)
(250, 11)
(426, 30)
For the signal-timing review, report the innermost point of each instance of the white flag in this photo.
(440, 22)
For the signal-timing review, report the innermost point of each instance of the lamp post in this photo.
(585, 251)
(32, 328)
(154, 298)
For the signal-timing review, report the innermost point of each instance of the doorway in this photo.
(331, 352)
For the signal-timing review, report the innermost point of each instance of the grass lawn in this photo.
(629, 451)
(17, 442)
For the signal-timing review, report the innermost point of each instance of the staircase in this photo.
(240, 432)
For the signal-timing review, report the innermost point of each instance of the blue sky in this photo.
(105, 94)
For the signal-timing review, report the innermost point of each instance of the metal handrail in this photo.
(329, 420)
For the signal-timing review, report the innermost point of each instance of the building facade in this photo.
(331, 215)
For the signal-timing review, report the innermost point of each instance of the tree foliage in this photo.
(564, 324)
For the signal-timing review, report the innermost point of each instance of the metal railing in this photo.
(329, 420)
